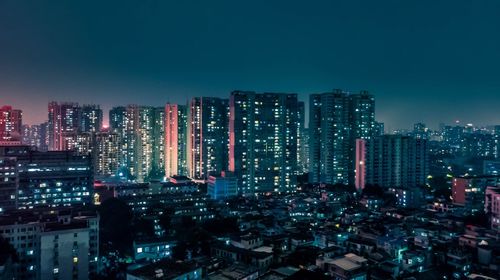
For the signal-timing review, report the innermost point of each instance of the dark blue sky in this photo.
(432, 61)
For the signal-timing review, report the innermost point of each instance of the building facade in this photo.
(51, 179)
(11, 121)
(263, 141)
(63, 124)
(207, 136)
(391, 161)
(336, 120)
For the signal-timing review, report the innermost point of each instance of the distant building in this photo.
(56, 178)
(175, 139)
(302, 140)
(53, 243)
(36, 136)
(91, 118)
(141, 132)
(492, 206)
(263, 141)
(9, 183)
(222, 186)
(469, 191)
(106, 153)
(152, 249)
(63, 124)
(391, 161)
(11, 121)
(207, 136)
(408, 197)
(491, 167)
(420, 131)
(336, 120)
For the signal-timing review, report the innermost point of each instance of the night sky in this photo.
(432, 61)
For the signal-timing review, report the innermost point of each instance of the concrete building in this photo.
(11, 121)
(56, 178)
(9, 183)
(175, 139)
(106, 153)
(336, 120)
(64, 123)
(263, 141)
(222, 186)
(207, 136)
(469, 191)
(391, 161)
(53, 243)
(91, 118)
(141, 130)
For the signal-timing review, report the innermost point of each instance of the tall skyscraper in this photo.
(52, 243)
(158, 158)
(362, 125)
(9, 183)
(379, 129)
(336, 120)
(145, 145)
(106, 153)
(11, 121)
(117, 121)
(496, 133)
(175, 140)
(141, 132)
(35, 135)
(91, 119)
(63, 124)
(391, 161)
(207, 136)
(263, 141)
(314, 137)
(330, 135)
(301, 137)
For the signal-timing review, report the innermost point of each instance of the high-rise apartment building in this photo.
(336, 120)
(391, 161)
(63, 124)
(36, 136)
(106, 153)
(91, 118)
(141, 132)
(158, 157)
(207, 136)
(175, 139)
(301, 140)
(263, 141)
(11, 121)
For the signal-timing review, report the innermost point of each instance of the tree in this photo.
(115, 226)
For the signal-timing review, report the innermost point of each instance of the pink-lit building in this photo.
(11, 121)
(175, 139)
(492, 206)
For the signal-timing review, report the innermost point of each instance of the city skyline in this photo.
(159, 52)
